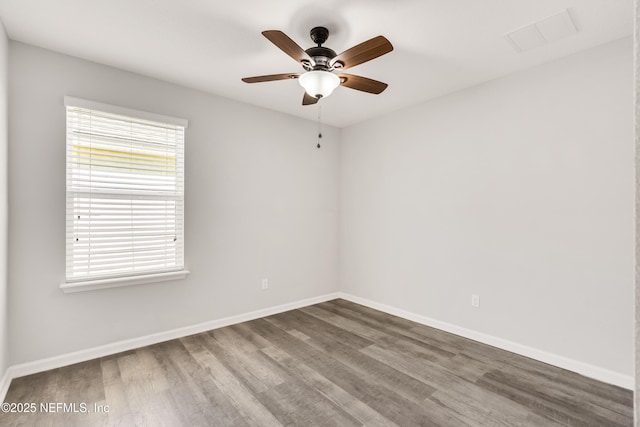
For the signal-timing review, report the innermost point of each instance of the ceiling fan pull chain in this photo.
(319, 124)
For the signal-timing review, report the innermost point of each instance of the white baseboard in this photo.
(588, 370)
(42, 365)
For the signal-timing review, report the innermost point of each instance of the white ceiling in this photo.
(440, 45)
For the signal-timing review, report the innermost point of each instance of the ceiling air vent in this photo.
(539, 33)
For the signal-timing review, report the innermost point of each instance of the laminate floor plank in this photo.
(243, 330)
(363, 386)
(85, 388)
(385, 374)
(475, 405)
(326, 331)
(245, 402)
(146, 390)
(331, 364)
(556, 410)
(307, 406)
(567, 403)
(602, 392)
(554, 388)
(173, 365)
(432, 343)
(246, 361)
(457, 364)
(199, 401)
(356, 408)
(344, 323)
(433, 375)
(114, 391)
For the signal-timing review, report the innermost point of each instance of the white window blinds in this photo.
(125, 191)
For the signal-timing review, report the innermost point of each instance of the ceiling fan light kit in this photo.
(319, 63)
(319, 84)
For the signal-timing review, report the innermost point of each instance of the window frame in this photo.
(128, 277)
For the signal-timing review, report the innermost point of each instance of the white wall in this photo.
(261, 201)
(519, 190)
(4, 208)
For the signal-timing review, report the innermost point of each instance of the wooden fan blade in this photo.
(270, 78)
(288, 46)
(308, 99)
(363, 52)
(362, 83)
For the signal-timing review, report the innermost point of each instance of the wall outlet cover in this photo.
(475, 301)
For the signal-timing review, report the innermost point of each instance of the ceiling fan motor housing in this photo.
(321, 56)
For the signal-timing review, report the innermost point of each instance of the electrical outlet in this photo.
(475, 301)
(265, 284)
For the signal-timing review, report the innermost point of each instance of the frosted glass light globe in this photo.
(319, 84)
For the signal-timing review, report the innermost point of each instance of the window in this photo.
(125, 196)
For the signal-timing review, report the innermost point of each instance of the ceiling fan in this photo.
(320, 62)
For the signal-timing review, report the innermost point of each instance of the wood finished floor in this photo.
(335, 363)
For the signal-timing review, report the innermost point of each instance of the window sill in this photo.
(91, 285)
